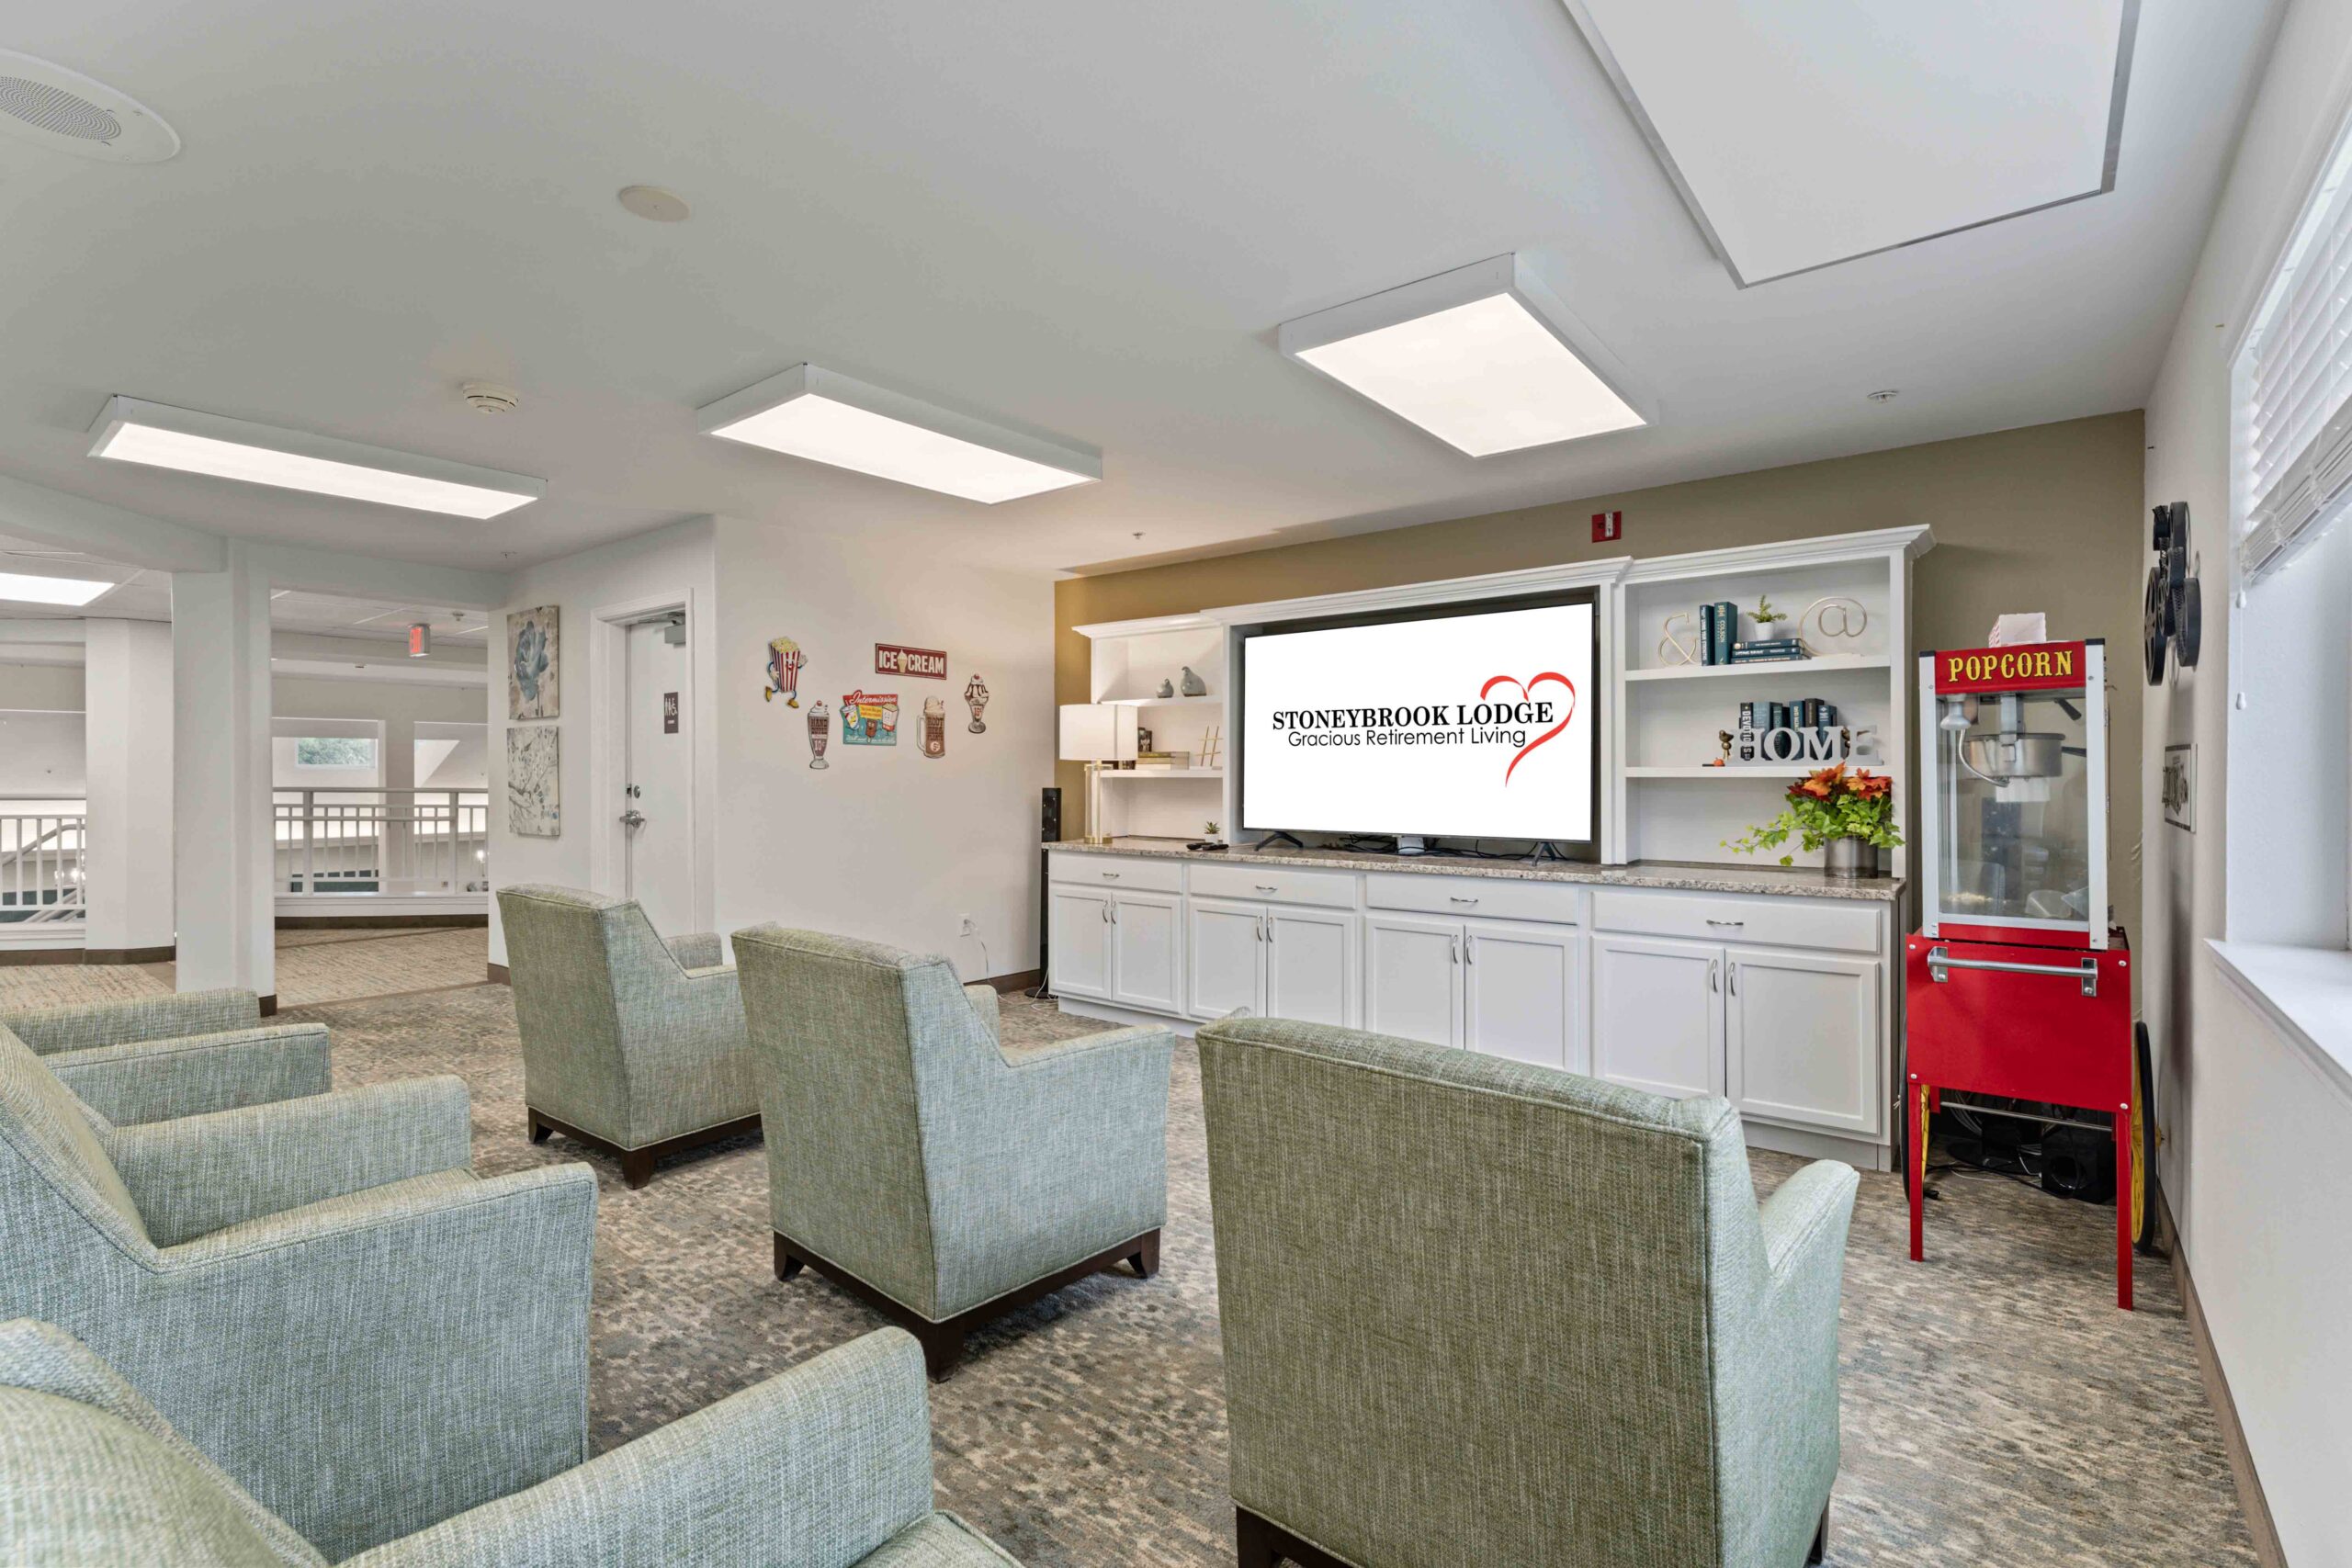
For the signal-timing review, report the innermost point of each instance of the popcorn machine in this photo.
(2018, 983)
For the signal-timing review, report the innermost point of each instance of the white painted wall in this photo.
(680, 559)
(56, 688)
(130, 866)
(42, 753)
(885, 843)
(2256, 1162)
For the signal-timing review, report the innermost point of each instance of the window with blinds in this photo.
(2293, 383)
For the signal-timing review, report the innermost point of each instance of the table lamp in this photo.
(1096, 733)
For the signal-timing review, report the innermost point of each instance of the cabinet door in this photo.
(1225, 957)
(1519, 992)
(1804, 1043)
(1311, 964)
(1082, 944)
(1148, 951)
(1657, 1014)
(1413, 978)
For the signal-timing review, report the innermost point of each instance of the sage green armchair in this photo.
(317, 1291)
(1476, 1311)
(940, 1177)
(154, 1057)
(824, 1466)
(630, 1044)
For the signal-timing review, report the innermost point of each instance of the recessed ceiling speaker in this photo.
(66, 112)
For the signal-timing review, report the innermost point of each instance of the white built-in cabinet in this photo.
(1779, 1004)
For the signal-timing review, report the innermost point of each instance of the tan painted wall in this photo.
(2044, 518)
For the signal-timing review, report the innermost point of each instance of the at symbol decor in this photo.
(1836, 617)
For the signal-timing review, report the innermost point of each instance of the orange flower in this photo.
(1823, 785)
(1870, 786)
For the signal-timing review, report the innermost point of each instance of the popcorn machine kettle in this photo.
(2018, 983)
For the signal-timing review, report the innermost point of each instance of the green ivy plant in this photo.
(1830, 804)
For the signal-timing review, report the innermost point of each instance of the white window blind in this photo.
(2293, 380)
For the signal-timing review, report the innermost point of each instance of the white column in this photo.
(128, 710)
(221, 777)
(396, 768)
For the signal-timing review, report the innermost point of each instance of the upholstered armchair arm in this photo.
(157, 1080)
(143, 1018)
(197, 1175)
(988, 1008)
(1804, 1222)
(1093, 1119)
(1134, 1049)
(383, 1361)
(699, 949)
(820, 1465)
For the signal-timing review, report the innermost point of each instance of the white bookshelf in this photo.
(1127, 661)
(1669, 715)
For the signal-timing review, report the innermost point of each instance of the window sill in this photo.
(2305, 991)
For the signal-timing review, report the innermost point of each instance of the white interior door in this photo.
(658, 781)
(1657, 1014)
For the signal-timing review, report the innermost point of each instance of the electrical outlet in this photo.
(967, 926)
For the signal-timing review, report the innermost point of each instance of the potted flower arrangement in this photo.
(1850, 813)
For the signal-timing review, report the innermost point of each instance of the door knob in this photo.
(632, 817)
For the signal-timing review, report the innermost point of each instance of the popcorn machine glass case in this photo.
(2015, 836)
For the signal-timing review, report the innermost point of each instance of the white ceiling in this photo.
(1081, 219)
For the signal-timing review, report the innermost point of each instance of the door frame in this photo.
(609, 627)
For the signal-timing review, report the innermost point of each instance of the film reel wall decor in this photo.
(2172, 613)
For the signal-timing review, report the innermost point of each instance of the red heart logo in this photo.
(1527, 689)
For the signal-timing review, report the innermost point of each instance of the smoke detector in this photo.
(654, 203)
(66, 112)
(483, 397)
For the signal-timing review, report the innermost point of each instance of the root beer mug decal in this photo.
(934, 726)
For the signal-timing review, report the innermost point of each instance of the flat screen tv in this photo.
(1474, 721)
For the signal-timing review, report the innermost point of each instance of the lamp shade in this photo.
(1098, 732)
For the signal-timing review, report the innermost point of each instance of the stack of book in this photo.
(1770, 651)
(1163, 759)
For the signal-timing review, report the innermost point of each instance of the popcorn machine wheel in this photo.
(2018, 985)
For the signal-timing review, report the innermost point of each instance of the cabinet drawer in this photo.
(1117, 872)
(1770, 922)
(1276, 883)
(1483, 897)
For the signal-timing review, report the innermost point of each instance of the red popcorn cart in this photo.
(2017, 984)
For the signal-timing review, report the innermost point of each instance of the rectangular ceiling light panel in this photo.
(130, 431)
(830, 418)
(17, 589)
(1814, 131)
(1483, 357)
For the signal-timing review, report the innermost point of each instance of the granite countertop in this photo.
(1681, 875)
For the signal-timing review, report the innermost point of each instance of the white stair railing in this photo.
(42, 867)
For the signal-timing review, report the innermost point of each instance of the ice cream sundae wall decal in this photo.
(975, 697)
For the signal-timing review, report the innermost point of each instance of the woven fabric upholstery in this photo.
(699, 949)
(1479, 1311)
(201, 1174)
(825, 1466)
(362, 1364)
(85, 1025)
(820, 1466)
(621, 1037)
(987, 1008)
(924, 1160)
(91, 1473)
(157, 1080)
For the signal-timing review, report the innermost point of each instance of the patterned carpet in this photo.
(1997, 1407)
(313, 966)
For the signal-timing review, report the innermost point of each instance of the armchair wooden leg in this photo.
(1145, 1259)
(637, 1167)
(1253, 1540)
(540, 1130)
(942, 1346)
(787, 1266)
(1820, 1551)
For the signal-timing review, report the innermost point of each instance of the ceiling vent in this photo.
(66, 112)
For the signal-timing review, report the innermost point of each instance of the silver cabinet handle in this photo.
(1470, 950)
(1110, 877)
(1115, 911)
(1265, 888)
(1457, 898)
(1940, 960)
(1714, 976)
(1258, 929)
(1735, 979)
(1268, 920)
(1731, 925)
(1105, 911)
